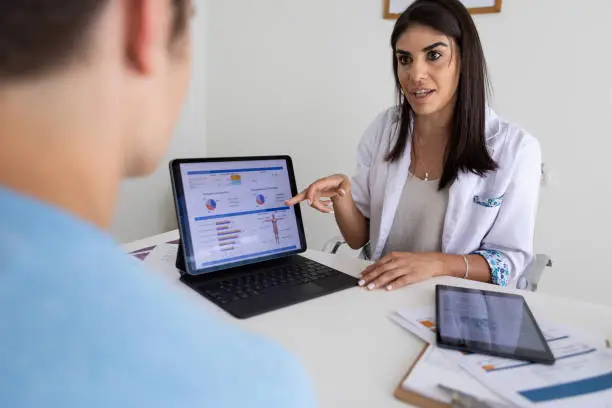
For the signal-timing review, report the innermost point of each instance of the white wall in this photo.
(145, 205)
(305, 78)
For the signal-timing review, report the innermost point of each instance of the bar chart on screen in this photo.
(239, 212)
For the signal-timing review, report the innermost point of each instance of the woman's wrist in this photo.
(345, 190)
(468, 266)
(454, 265)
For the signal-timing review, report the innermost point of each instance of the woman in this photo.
(444, 186)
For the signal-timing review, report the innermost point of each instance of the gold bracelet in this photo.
(467, 267)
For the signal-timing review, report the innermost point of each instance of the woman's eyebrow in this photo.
(428, 48)
(434, 45)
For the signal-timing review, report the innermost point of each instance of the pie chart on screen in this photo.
(211, 204)
(261, 200)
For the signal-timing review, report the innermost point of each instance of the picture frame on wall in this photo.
(393, 8)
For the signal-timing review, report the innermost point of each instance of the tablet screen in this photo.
(233, 212)
(489, 322)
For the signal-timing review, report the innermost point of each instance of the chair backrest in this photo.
(529, 280)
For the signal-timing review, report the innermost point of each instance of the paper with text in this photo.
(162, 258)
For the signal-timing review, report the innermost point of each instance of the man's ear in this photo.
(144, 33)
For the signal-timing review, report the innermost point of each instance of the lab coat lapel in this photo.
(396, 179)
(460, 199)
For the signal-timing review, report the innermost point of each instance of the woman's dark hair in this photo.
(466, 150)
(39, 35)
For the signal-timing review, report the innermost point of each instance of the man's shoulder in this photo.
(114, 332)
(87, 325)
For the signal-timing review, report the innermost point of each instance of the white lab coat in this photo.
(496, 212)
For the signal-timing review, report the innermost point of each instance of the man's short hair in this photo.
(37, 36)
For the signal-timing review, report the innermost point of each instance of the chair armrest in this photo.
(333, 244)
(534, 272)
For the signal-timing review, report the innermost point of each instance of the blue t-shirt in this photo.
(84, 325)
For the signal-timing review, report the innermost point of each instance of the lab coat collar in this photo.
(459, 192)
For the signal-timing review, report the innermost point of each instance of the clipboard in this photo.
(414, 398)
(421, 401)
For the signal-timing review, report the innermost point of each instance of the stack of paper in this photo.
(581, 376)
(435, 368)
(143, 253)
(420, 322)
(162, 258)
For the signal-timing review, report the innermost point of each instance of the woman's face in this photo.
(428, 68)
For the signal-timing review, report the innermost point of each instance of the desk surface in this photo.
(355, 355)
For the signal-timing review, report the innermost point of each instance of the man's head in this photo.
(125, 62)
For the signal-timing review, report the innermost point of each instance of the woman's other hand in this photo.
(399, 269)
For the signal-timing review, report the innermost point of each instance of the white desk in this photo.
(355, 355)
